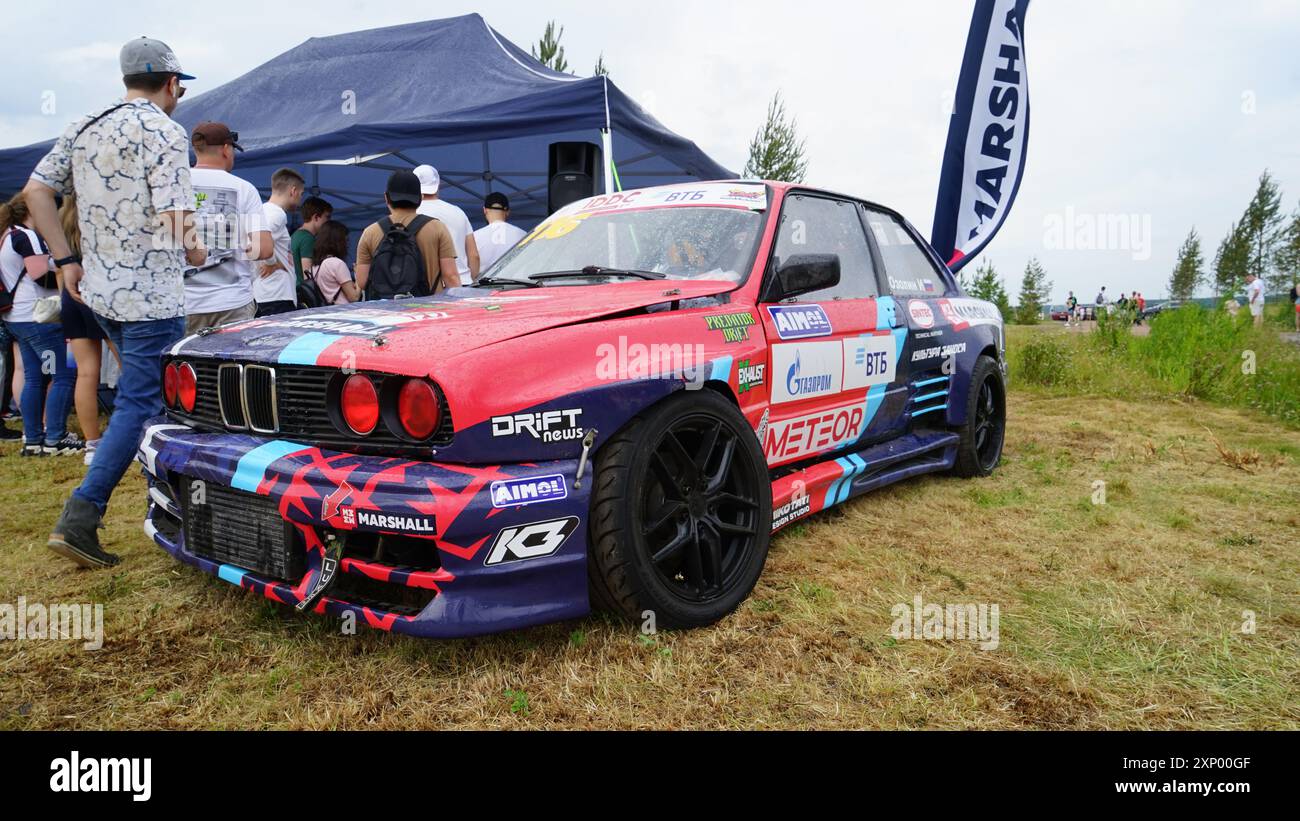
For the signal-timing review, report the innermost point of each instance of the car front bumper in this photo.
(426, 551)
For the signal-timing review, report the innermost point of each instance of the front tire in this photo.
(681, 513)
(980, 449)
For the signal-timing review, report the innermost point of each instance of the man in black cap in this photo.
(128, 164)
(498, 236)
(405, 254)
(230, 220)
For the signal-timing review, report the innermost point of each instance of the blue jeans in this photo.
(45, 358)
(139, 397)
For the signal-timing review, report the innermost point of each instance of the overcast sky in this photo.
(1155, 115)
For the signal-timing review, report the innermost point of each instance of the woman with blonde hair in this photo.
(27, 274)
(86, 339)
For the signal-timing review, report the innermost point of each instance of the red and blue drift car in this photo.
(619, 414)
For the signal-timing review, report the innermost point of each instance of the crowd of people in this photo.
(1132, 305)
(118, 245)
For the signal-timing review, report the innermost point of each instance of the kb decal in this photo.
(532, 541)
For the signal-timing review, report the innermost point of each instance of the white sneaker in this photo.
(70, 443)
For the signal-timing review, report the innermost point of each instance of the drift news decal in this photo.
(545, 426)
(987, 135)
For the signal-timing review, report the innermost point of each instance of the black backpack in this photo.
(397, 267)
(309, 295)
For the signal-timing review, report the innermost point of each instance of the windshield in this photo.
(671, 242)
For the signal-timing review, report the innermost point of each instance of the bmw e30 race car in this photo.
(618, 414)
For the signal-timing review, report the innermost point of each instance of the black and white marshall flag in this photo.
(987, 136)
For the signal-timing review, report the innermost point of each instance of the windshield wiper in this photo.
(506, 281)
(599, 271)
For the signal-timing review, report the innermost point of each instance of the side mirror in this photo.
(802, 273)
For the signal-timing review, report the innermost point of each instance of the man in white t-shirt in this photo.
(498, 236)
(275, 288)
(453, 219)
(1255, 298)
(228, 216)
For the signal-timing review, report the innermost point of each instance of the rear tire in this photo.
(681, 513)
(980, 448)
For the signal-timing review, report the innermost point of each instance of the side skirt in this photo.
(829, 483)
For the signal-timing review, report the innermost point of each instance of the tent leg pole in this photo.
(607, 150)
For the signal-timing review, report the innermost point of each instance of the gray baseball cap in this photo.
(148, 56)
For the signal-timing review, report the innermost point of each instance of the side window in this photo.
(910, 270)
(817, 225)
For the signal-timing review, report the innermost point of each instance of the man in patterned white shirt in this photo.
(128, 164)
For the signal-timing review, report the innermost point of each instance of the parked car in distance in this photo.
(1155, 310)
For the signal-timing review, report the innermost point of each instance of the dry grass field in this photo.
(1126, 614)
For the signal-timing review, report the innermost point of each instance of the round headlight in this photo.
(187, 387)
(417, 407)
(171, 383)
(360, 404)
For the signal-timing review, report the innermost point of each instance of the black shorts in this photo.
(283, 306)
(78, 321)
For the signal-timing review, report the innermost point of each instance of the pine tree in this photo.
(1262, 226)
(1034, 289)
(777, 152)
(1188, 273)
(1231, 262)
(987, 285)
(601, 69)
(1287, 260)
(548, 50)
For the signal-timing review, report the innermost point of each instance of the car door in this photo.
(925, 298)
(832, 351)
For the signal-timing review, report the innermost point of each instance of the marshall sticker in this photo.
(530, 541)
(337, 513)
(514, 492)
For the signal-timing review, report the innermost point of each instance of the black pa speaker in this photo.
(574, 173)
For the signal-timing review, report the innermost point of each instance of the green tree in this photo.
(1034, 290)
(548, 50)
(987, 285)
(1188, 273)
(1288, 255)
(601, 69)
(777, 152)
(1231, 261)
(1262, 225)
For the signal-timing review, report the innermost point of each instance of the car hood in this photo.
(410, 336)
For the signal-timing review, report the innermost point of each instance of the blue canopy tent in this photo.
(348, 109)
